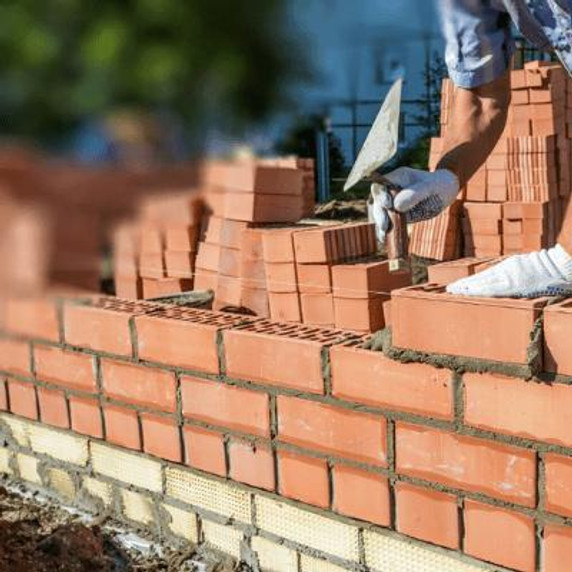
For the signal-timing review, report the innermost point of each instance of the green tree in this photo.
(209, 61)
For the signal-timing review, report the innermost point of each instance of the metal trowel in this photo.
(379, 147)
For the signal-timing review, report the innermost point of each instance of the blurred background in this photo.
(102, 103)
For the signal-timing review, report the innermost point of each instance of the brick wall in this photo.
(305, 419)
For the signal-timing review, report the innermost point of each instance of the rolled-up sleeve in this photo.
(478, 39)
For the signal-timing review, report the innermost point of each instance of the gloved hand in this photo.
(423, 196)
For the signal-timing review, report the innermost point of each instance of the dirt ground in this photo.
(36, 535)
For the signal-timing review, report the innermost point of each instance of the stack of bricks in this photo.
(155, 256)
(529, 166)
(328, 276)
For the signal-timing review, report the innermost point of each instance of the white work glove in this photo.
(543, 273)
(423, 196)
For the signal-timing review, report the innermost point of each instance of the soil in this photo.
(37, 535)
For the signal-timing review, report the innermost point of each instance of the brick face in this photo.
(369, 377)
(22, 399)
(161, 437)
(204, 450)
(557, 549)
(86, 416)
(427, 515)
(471, 464)
(303, 478)
(122, 426)
(500, 536)
(224, 405)
(558, 471)
(251, 464)
(53, 407)
(332, 430)
(34, 318)
(537, 411)
(148, 387)
(14, 357)
(61, 367)
(360, 494)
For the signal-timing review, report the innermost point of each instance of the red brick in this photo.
(181, 238)
(226, 406)
(285, 306)
(252, 464)
(165, 287)
(467, 463)
(363, 316)
(161, 437)
(182, 338)
(503, 325)
(122, 427)
(537, 411)
(22, 399)
(332, 430)
(500, 536)
(557, 324)
(427, 515)
(204, 450)
(557, 549)
(370, 378)
(32, 318)
(179, 264)
(316, 246)
(86, 416)
(362, 280)
(318, 309)
(3, 396)
(97, 329)
(53, 407)
(128, 287)
(283, 360)
(278, 245)
(72, 369)
(360, 494)
(14, 357)
(303, 478)
(139, 385)
(281, 277)
(558, 478)
(314, 278)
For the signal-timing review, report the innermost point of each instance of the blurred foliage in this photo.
(208, 61)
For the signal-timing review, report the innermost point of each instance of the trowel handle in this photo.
(397, 239)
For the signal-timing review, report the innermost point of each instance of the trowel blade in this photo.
(381, 142)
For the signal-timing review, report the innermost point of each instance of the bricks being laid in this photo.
(304, 478)
(557, 322)
(486, 328)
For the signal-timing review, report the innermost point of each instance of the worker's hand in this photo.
(424, 195)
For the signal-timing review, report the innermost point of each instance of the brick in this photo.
(557, 321)
(28, 468)
(62, 482)
(75, 370)
(557, 548)
(360, 494)
(263, 208)
(314, 278)
(538, 411)
(22, 399)
(139, 385)
(467, 463)
(137, 507)
(14, 357)
(143, 472)
(274, 557)
(307, 528)
(281, 277)
(317, 309)
(363, 316)
(332, 430)
(122, 426)
(303, 478)
(316, 246)
(500, 536)
(504, 325)
(222, 498)
(285, 306)
(183, 523)
(278, 245)
(34, 318)
(3, 396)
(226, 406)
(371, 378)
(179, 264)
(181, 238)
(184, 338)
(285, 356)
(53, 407)
(204, 450)
(86, 416)
(427, 515)
(558, 474)
(161, 437)
(252, 464)
(97, 329)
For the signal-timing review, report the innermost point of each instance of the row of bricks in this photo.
(420, 512)
(409, 388)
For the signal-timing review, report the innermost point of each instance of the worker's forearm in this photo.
(477, 122)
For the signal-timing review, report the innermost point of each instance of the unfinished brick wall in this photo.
(477, 463)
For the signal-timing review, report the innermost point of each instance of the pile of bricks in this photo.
(527, 172)
(250, 257)
(219, 418)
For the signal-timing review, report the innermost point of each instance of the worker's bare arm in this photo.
(478, 119)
